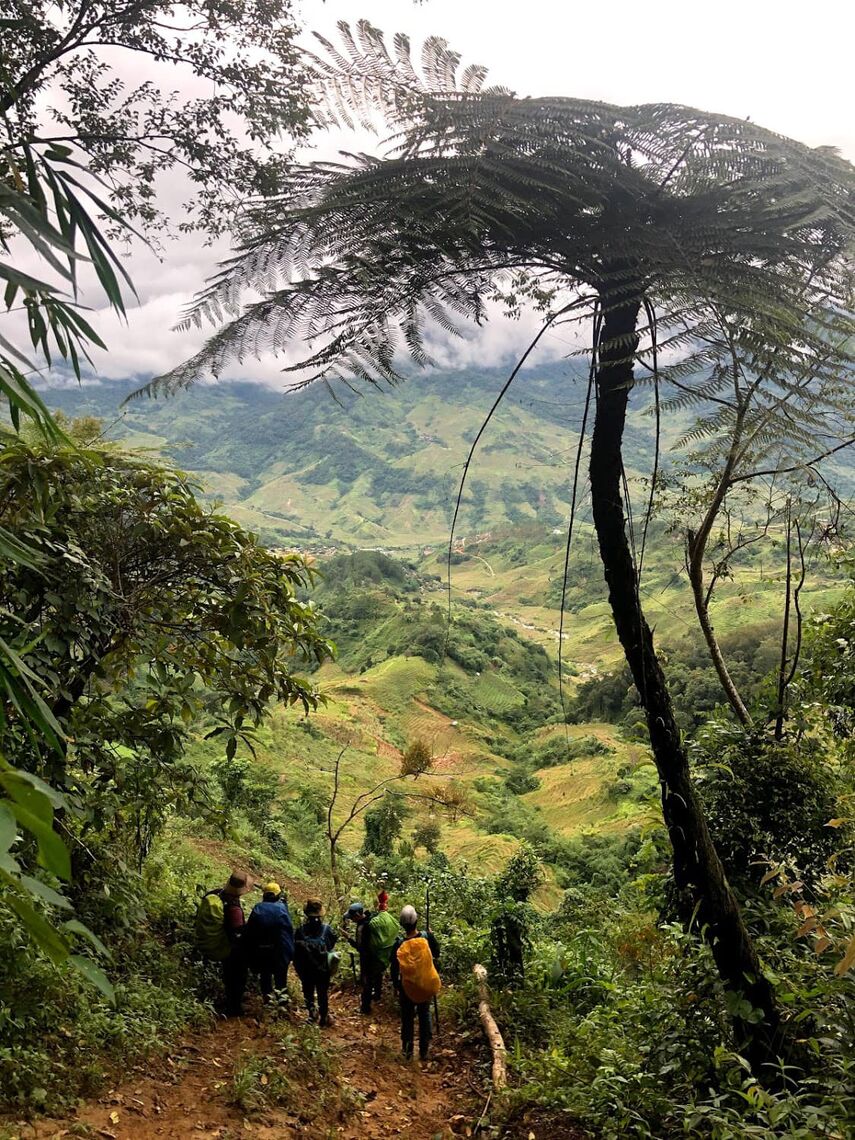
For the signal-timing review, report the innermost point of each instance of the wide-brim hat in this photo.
(314, 908)
(238, 884)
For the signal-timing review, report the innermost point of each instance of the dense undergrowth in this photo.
(613, 1013)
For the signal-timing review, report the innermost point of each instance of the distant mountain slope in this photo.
(375, 469)
(382, 469)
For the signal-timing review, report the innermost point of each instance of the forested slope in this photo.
(317, 466)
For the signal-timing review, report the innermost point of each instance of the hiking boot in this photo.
(424, 1055)
(407, 1054)
(326, 1022)
(311, 1015)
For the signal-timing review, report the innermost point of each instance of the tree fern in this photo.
(735, 242)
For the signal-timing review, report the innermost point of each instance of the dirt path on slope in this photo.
(186, 1096)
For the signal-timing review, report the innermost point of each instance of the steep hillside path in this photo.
(187, 1095)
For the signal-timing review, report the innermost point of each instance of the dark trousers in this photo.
(234, 981)
(370, 984)
(320, 986)
(272, 973)
(409, 1009)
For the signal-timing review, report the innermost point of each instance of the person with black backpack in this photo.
(315, 960)
(269, 941)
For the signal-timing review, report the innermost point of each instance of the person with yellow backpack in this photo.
(414, 976)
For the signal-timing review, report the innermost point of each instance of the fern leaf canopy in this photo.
(739, 238)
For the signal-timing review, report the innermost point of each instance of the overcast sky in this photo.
(785, 64)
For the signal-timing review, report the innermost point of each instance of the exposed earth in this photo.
(190, 1093)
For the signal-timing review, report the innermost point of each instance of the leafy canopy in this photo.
(81, 154)
(219, 86)
(147, 618)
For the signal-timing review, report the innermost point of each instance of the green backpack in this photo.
(381, 934)
(211, 937)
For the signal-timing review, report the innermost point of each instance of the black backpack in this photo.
(315, 953)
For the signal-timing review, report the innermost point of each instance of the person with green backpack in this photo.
(374, 937)
(220, 923)
(315, 960)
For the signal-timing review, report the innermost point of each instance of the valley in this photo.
(366, 487)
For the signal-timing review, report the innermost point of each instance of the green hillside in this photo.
(375, 471)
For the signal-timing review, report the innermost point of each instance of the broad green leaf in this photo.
(93, 974)
(53, 854)
(8, 827)
(45, 893)
(75, 926)
(8, 774)
(48, 940)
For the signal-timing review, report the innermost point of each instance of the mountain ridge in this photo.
(379, 469)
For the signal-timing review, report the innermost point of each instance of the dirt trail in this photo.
(186, 1095)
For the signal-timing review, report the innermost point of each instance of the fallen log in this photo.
(491, 1031)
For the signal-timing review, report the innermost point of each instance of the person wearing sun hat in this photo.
(269, 941)
(234, 922)
(313, 944)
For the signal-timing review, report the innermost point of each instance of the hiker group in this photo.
(266, 943)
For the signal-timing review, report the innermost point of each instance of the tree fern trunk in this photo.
(697, 868)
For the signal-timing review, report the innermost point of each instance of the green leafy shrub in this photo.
(767, 800)
(297, 1072)
(559, 751)
(522, 782)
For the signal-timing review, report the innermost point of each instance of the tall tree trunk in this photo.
(785, 631)
(697, 868)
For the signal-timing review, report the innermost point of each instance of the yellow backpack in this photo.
(418, 973)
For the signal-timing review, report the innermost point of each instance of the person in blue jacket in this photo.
(269, 941)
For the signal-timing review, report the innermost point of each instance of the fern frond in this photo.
(740, 238)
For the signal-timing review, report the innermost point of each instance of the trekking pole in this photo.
(427, 923)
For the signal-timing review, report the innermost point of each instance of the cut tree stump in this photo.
(491, 1031)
